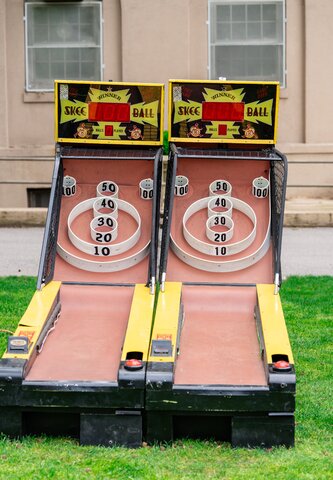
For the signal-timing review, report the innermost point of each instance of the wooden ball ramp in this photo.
(220, 362)
(76, 363)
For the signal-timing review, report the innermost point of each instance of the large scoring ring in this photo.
(213, 250)
(93, 249)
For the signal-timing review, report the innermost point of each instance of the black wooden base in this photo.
(123, 428)
(257, 430)
(118, 428)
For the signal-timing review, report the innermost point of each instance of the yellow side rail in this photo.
(34, 318)
(166, 321)
(274, 328)
(139, 323)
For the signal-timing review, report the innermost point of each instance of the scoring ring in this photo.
(146, 188)
(108, 235)
(220, 187)
(217, 220)
(107, 188)
(93, 249)
(260, 187)
(106, 203)
(181, 185)
(220, 201)
(68, 186)
(213, 250)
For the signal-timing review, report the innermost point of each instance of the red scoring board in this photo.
(213, 111)
(109, 112)
(223, 111)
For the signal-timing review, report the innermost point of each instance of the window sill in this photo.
(38, 97)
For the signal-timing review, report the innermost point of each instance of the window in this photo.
(247, 39)
(38, 197)
(63, 41)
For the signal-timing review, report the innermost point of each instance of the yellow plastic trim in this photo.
(166, 322)
(275, 335)
(220, 140)
(223, 140)
(245, 82)
(138, 84)
(107, 142)
(139, 324)
(170, 110)
(276, 112)
(32, 322)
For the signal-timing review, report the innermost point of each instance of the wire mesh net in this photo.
(278, 195)
(51, 231)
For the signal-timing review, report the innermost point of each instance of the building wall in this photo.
(152, 41)
(164, 39)
(309, 145)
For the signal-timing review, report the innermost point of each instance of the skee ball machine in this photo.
(76, 363)
(220, 363)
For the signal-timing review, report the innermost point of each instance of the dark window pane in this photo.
(38, 197)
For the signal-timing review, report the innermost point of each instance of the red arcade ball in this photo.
(281, 365)
(133, 364)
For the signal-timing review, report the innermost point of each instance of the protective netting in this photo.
(278, 196)
(46, 268)
(167, 212)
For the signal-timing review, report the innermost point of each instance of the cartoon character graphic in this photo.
(195, 131)
(136, 133)
(249, 131)
(83, 131)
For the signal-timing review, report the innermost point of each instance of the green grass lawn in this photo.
(308, 308)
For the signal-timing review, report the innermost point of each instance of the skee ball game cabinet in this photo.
(76, 363)
(220, 362)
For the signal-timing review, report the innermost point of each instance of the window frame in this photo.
(212, 25)
(65, 3)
